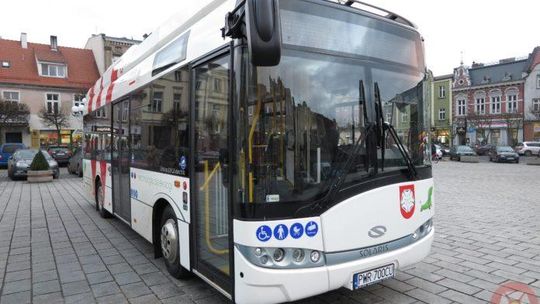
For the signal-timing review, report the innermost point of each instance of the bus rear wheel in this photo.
(169, 244)
(100, 201)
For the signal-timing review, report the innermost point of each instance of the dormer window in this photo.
(53, 70)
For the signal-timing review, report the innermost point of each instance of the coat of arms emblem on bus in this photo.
(407, 201)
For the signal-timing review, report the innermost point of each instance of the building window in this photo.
(178, 76)
(480, 103)
(511, 101)
(53, 103)
(461, 107)
(538, 81)
(442, 92)
(404, 117)
(6, 64)
(157, 100)
(78, 100)
(101, 113)
(495, 104)
(389, 117)
(217, 85)
(442, 114)
(53, 70)
(536, 105)
(11, 96)
(177, 98)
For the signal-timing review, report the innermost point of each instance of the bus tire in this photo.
(100, 200)
(169, 244)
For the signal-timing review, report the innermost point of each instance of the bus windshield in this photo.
(304, 115)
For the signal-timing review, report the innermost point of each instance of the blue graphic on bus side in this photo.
(311, 229)
(280, 232)
(264, 233)
(183, 163)
(297, 230)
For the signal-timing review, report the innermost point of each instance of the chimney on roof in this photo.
(24, 41)
(54, 43)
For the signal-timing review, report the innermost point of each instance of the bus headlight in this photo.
(298, 255)
(423, 230)
(279, 254)
(315, 256)
(282, 258)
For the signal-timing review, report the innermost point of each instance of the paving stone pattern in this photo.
(54, 247)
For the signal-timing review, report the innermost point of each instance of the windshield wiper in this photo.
(386, 126)
(340, 174)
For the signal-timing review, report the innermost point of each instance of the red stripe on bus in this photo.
(98, 101)
(103, 169)
(91, 101)
(114, 76)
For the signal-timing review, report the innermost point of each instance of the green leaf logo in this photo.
(428, 203)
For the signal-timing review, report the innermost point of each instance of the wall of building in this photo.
(442, 127)
(96, 44)
(531, 91)
(35, 99)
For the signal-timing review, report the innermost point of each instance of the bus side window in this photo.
(159, 124)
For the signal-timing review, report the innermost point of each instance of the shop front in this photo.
(67, 138)
(532, 131)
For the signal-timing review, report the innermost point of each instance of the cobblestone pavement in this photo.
(55, 248)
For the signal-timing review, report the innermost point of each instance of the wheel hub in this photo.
(169, 240)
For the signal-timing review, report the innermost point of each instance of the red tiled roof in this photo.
(81, 66)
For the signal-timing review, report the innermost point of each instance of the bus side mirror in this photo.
(263, 32)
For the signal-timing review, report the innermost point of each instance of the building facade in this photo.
(108, 49)
(488, 103)
(441, 107)
(531, 124)
(48, 78)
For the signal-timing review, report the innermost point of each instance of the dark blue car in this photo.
(6, 150)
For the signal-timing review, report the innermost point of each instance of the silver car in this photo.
(75, 163)
(20, 161)
(528, 148)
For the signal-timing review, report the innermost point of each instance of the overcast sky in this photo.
(483, 30)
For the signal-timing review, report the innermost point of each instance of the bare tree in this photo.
(514, 122)
(481, 122)
(56, 118)
(13, 114)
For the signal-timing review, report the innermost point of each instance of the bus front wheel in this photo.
(169, 244)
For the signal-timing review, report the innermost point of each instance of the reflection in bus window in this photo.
(159, 124)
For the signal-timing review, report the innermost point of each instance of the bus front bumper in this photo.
(254, 284)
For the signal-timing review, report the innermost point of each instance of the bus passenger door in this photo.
(120, 161)
(210, 175)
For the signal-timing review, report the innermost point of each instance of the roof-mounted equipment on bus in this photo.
(258, 22)
(379, 11)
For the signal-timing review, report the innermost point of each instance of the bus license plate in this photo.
(363, 279)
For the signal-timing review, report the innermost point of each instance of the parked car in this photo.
(528, 148)
(456, 152)
(484, 149)
(19, 162)
(444, 149)
(60, 153)
(6, 150)
(503, 154)
(75, 163)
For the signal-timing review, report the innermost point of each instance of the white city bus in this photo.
(277, 149)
